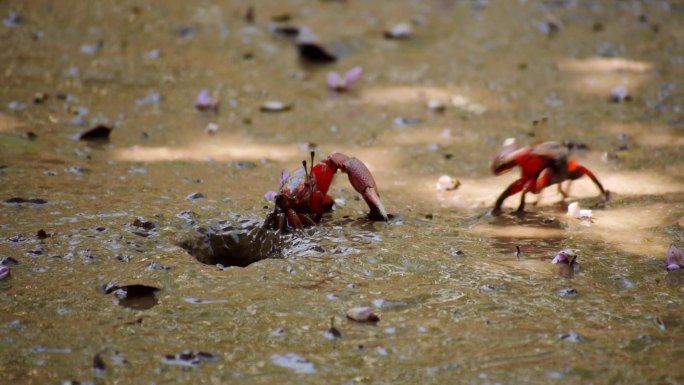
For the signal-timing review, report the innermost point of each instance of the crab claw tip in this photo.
(377, 208)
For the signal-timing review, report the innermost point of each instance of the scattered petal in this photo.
(92, 49)
(675, 258)
(341, 84)
(205, 102)
(270, 196)
(16, 106)
(620, 95)
(153, 98)
(564, 256)
(571, 336)
(4, 272)
(13, 20)
(549, 27)
(293, 361)
(153, 54)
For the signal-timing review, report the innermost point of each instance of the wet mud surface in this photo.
(137, 143)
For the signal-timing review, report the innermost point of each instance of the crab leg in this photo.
(512, 189)
(576, 171)
(293, 218)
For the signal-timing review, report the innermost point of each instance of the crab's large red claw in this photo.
(362, 181)
(372, 198)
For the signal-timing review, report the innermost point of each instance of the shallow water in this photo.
(455, 304)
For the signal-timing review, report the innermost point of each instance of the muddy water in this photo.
(456, 305)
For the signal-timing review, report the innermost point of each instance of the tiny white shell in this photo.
(436, 105)
(275, 106)
(585, 214)
(362, 314)
(447, 183)
(211, 128)
(400, 31)
(573, 210)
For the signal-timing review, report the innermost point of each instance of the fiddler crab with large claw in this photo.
(303, 195)
(541, 166)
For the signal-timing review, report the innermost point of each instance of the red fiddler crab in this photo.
(303, 195)
(541, 166)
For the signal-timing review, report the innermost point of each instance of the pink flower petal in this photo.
(352, 76)
(270, 196)
(335, 82)
(205, 102)
(560, 258)
(674, 256)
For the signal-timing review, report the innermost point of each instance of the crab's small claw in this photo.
(377, 210)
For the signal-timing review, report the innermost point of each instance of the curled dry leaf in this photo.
(99, 132)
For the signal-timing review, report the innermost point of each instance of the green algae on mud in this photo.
(495, 66)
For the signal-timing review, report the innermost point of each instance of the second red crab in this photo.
(541, 166)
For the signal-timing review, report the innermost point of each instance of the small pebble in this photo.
(275, 106)
(620, 95)
(195, 196)
(571, 336)
(447, 183)
(211, 128)
(436, 105)
(16, 106)
(362, 314)
(399, 32)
